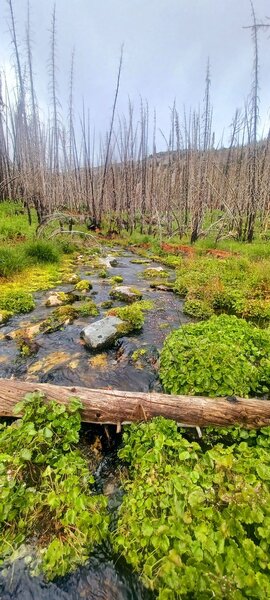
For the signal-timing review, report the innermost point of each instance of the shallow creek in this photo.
(63, 359)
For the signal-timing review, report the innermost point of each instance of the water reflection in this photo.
(101, 579)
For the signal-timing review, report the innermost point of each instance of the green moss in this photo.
(107, 304)
(153, 274)
(115, 279)
(87, 309)
(71, 278)
(103, 274)
(5, 315)
(16, 302)
(132, 315)
(118, 294)
(138, 354)
(219, 357)
(60, 317)
(27, 345)
(83, 286)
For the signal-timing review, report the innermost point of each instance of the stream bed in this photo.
(63, 359)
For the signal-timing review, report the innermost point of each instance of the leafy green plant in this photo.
(198, 309)
(132, 315)
(194, 522)
(45, 487)
(222, 356)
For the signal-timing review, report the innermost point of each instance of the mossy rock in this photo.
(115, 279)
(59, 318)
(61, 298)
(103, 274)
(87, 309)
(83, 286)
(140, 261)
(155, 272)
(106, 304)
(126, 293)
(163, 286)
(73, 278)
(5, 315)
(132, 316)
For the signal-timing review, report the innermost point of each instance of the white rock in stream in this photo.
(157, 269)
(108, 262)
(54, 300)
(102, 333)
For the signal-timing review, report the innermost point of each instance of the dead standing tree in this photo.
(254, 119)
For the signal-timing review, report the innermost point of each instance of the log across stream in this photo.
(117, 407)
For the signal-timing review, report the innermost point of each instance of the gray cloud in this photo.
(166, 46)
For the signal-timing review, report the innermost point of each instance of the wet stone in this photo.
(54, 300)
(102, 333)
(125, 293)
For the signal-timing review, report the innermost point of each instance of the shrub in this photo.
(222, 356)
(41, 251)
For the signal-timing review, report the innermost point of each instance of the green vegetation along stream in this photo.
(156, 512)
(55, 353)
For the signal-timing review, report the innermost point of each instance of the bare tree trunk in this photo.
(116, 407)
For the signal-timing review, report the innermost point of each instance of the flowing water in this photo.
(63, 359)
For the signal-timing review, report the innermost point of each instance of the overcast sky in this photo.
(166, 46)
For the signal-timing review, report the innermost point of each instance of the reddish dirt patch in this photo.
(179, 249)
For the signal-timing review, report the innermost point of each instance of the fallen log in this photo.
(117, 407)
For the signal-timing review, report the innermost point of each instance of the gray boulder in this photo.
(102, 333)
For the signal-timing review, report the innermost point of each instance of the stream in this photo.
(63, 359)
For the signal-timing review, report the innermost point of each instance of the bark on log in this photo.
(117, 407)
